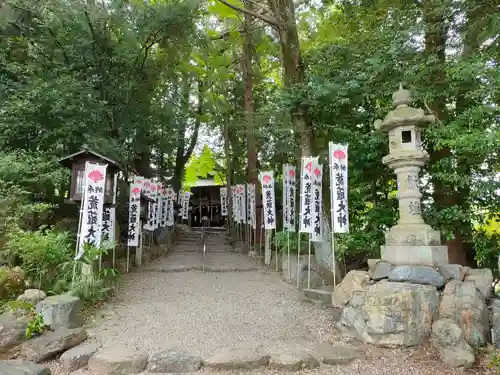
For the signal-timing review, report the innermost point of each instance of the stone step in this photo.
(322, 297)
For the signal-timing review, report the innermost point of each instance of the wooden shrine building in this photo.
(205, 203)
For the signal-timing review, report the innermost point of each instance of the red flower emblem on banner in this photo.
(266, 179)
(136, 190)
(96, 175)
(158, 187)
(291, 173)
(317, 172)
(339, 154)
(153, 188)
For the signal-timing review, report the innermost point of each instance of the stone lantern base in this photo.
(421, 255)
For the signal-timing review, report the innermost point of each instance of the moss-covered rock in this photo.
(11, 281)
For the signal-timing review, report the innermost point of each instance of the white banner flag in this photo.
(157, 213)
(170, 207)
(91, 226)
(251, 205)
(163, 210)
(286, 223)
(306, 197)
(108, 224)
(338, 187)
(180, 197)
(267, 181)
(317, 205)
(254, 206)
(148, 192)
(292, 191)
(185, 205)
(134, 213)
(289, 197)
(243, 205)
(223, 201)
(234, 202)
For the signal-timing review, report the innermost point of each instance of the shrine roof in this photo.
(67, 161)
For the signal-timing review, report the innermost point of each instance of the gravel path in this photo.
(201, 312)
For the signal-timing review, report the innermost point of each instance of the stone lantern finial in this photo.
(401, 97)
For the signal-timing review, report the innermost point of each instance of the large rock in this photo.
(11, 281)
(293, 360)
(61, 311)
(483, 279)
(354, 281)
(417, 275)
(452, 272)
(391, 314)
(337, 355)
(232, 359)
(495, 322)
(79, 356)
(448, 338)
(463, 303)
(371, 264)
(12, 330)
(32, 296)
(118, 360)
(51, 343)
(173, 361)
(381, 271)
(22, 368)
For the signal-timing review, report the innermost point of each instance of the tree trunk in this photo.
(294, 73)
(444, 195)
(229, 172)
(247, 69)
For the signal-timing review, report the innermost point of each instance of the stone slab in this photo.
(78, 356)
(51, 343)
(452, 272)
(293, 360)
(432, 256)
(173, 361)
(381, 271)
(337, 355)
(233, 359)
(61, 311)
(19, 367)
(417, 275)
(118, 360)
(320, 296)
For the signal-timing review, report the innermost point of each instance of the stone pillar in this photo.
(409, 195)
(410, 241)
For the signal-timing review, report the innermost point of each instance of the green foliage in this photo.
(494, 363)
(284, 239)
(92, 290)
(24, 179)
(41, 252)
(15, 306)
(200, 167)
(35, 327)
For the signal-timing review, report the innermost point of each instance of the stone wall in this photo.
(395, 306)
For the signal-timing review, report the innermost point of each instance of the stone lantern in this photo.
(410, 241)
(76, 162)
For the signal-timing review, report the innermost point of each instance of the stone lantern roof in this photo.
(403, 114)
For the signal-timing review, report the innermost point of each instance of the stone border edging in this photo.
(107, 360)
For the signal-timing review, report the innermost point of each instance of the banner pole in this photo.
(288, 250)
(276, 249)
(332, 214)
(300, 218)
(309, 264)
